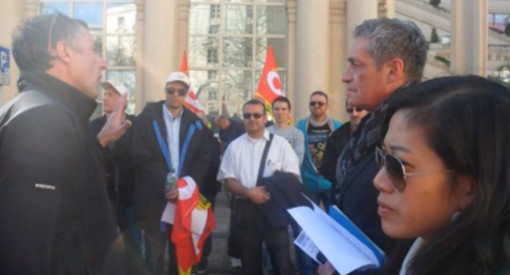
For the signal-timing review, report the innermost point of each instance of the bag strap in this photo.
(264, 157)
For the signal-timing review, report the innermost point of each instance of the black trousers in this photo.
(155, 243)
(254, 229)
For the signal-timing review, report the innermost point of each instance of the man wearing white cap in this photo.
(166, 137)
(120, 176)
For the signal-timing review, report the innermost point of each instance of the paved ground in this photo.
(218, 260)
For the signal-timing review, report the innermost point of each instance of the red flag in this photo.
(192, 224)
(191, 101)
(269, 84)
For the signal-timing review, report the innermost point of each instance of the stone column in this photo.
(469, 37)
(139, 88)
(32, 8)
(182, 28)
(11, 12)
(160, 47)
(338, 57)
(291, 56)
(357, 11)
(388, 6)
(312, 52)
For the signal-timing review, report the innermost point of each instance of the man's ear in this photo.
(394, 69)
(465, 190)
(62, 51)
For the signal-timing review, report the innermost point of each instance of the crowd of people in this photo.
(421, 168)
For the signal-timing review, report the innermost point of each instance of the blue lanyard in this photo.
(164, 148)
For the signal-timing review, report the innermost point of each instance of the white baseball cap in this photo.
(178, 77)
(116, 86)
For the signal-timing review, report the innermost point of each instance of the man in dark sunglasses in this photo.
(386, 55)
(167, 137)
(316, 129)
(242, 169)
(338, 139)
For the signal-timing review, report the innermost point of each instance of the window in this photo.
(212, 56)
(121, 22)
(112, 24)
(215, 11)
(212, 95)
(228, 41)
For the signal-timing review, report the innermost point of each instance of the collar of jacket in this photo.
(328, 119)
(59, 91)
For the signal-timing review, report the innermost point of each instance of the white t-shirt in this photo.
(241, 161)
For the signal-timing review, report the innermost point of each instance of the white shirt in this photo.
(242, 159)
(173, 125)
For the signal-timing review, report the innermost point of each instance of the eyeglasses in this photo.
(254, 115)
(396, 170)
(319, 103)
(172, 91)
(352, 109)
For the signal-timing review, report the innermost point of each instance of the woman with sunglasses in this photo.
(444, 177)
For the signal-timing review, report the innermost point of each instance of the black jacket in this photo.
(119, 164)
(334, 147)
(285, 191)
(151, 168)
(55, 215)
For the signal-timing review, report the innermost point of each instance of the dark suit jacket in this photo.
(334, 147)
(120, 175)
(151, 168)
(359, 202)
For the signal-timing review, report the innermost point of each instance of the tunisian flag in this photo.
(269, 84)
(191, 101)
(192, 220)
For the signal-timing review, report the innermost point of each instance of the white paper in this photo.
(334, 241)
(307, 245)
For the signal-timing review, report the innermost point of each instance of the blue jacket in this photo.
(312, 180)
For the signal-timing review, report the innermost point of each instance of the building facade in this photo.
(226, 41)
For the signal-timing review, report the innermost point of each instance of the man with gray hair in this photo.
(54, 209)
(387, 54)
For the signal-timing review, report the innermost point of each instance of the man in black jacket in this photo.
(166, 128)
(337, 141)
(55, 214)
(386, 54)
(120, 175)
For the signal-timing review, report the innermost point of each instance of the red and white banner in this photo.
(191, 101)
(269, 86)
(192, 220)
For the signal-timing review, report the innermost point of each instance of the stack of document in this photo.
(336, 238)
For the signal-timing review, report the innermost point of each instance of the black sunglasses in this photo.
(172, 91)
(319, 103)
(396, 170)
(357, 109)
(255, 115)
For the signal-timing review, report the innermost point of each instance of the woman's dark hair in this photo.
(32, 41)
(466, 122)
